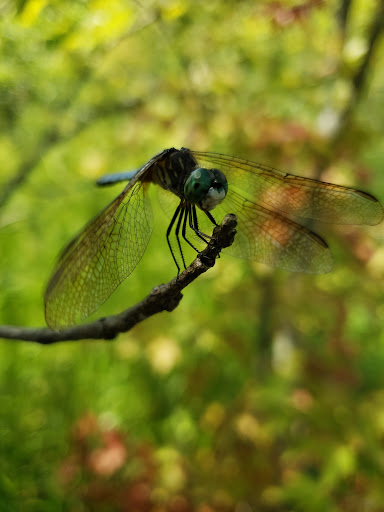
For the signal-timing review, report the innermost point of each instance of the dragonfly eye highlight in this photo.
(206, 187)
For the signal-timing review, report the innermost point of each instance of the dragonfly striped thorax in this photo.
(171, 169)
(177, 171)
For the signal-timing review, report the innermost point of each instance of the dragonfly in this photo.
(200, 189)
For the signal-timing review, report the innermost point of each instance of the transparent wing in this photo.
(100, 257)
(272, 239)
(167, 201)
(294, 195)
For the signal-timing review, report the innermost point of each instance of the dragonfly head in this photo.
(206, 188)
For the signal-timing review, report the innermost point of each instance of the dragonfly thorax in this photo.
(206, 188)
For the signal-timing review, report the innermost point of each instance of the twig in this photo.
(165, 297)
(358, 81)
(51, 139)
(56, 134)
(360, 76)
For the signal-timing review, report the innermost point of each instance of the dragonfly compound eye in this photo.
(206, 187)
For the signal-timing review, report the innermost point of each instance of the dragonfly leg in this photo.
(184, 231)
(210, 217)
(186, 213)
(194, 224)
(175, 216)
(177, 231)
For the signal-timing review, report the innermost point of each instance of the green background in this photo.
(263, 390)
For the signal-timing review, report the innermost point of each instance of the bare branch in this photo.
(165, 297)
(56, 137)
(360, 76)
(56, 134)
(342, 16)
(358, 82)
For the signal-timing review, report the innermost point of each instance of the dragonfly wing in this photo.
(293, 195)
(167, 201)
(100, 257)
(270, 238)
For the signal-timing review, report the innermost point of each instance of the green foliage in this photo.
(263, 390)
